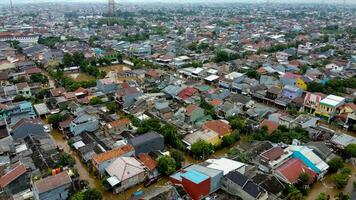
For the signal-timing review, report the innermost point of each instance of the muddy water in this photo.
(328, 188)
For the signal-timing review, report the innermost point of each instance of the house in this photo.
(328, 106)
(291, 92)
(124, 173)
(147, 143)
(53, 187)
(102, 161)
(310, 159)
(106, 85)
(342, 140)
(305, 121)
(56, 92)
(270, 183)
(118, 126)
(26, 127)
(126, 96)
(187, 93)
(194, 114)
(195, 183)
(23, 89)
(220, 127)
(335, 67)
(150, 164)
(23, 109)
(312, 101)
(226, 165)
(15, 180)
(84, 122)
(272, 158)
(205, 135)
(237, 184)
(290, 171)
(321, 150)
(273, 92)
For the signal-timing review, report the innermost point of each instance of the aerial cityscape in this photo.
(177, 100)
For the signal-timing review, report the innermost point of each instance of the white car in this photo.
(47, 128)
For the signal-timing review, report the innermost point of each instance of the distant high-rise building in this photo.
(12, 7)
(111, 7)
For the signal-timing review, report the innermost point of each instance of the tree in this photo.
(65, 159)
(77, 196)
(112, 107)
(294, 194)
(342, 196)
(178, 156)
(335, 164)
(303, 183)
(39, 78)
(166, 165)
(95, 101)
(19, 98)
(253, 74)
(56, 118)
(171, 136)
(149, 125)
(237, 123)
(322, 196)
(340, 179)
(92, 194)
(202, 149)
(350, 150)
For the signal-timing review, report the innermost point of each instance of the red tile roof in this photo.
(99, 158)
(33, 70)
(120, 122)
(218, 126)
(147, 161)
(272, 154)
(216, 102)
(271, 125)
(292, 169)
(187, 92)
(12, 175)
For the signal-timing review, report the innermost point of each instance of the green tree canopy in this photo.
(166, 165)
(350, 150)
(322, 196)
(95, 101)
(202, 149)
(335, 164)
(178, 156)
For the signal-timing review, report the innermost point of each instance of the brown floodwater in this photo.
(327, 186)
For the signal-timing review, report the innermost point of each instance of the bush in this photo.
(95, 101)
(340, 179)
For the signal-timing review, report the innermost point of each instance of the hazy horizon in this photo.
(181, 1)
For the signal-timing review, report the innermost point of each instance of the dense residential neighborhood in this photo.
(170, 101)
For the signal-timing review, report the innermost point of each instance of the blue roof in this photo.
(195, 176)
(25, 104)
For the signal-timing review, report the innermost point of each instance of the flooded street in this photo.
(328, 187)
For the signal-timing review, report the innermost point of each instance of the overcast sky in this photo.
(180, 1)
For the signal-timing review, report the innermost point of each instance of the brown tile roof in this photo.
(218, 126)
(120, 122)
(52, 182)
(272, 154)
(57, 91)
(147, 161)
(271, 125)
(21, 86)
(12, 175)
(27, 121)
(99, 158)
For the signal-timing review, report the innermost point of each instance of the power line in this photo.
(12, 8)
